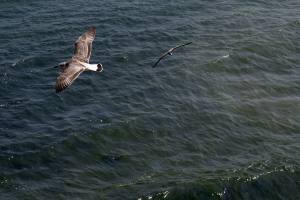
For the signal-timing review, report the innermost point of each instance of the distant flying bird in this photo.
(169, 52)
(79, 63)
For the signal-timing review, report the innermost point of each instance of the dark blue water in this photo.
(217, 120)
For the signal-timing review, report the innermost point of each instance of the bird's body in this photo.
(79, 63)
(169, 52)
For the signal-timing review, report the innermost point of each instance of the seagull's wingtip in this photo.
(57, 90)
(93, 28)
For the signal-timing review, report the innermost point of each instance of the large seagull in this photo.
(79, 63)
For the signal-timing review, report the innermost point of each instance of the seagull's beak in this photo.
(56, 66)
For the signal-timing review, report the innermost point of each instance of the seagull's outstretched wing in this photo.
(68, 75)
(83, 45)
(160, 58)
(181, 45)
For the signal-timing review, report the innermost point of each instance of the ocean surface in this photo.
(220, 119)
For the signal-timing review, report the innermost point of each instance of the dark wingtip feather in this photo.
(92, 28)
(155, 64)
(92, 31)
(58, 89)
(60, 86)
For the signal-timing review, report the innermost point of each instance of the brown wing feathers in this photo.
(67, 76)
(83, 45)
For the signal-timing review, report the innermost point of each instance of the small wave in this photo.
(36, 60)
(160, 195)
(233, 188)
(20, 61)
(225, 56)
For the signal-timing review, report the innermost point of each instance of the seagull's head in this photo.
(99, 67)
